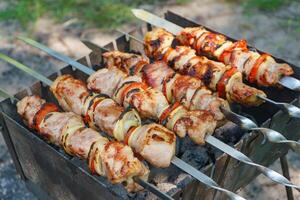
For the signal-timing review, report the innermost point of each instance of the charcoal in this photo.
(230, 133)
(142, 195)
(197, 157)
(158, 175)
(185, 144)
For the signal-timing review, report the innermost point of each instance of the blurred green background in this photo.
(102, 13)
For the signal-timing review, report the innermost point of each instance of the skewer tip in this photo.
(136, 11)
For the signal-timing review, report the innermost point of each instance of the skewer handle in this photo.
(275, 137)
(271, 174)
(293, 111)
(269, 134)
(290, 83)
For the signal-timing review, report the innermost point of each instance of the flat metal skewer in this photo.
(291, 110)
(175, 161)
(269, 134)
(274, 176)
(5, 95)
(287, 81)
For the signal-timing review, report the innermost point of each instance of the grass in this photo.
(266, 5)
(100, 13)
(272, 6)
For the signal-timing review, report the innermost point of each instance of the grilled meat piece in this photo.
(51, 128)
(259, 68)
(157, 43)
(81, 140)
(71, 93)
(116, 160)
(150, 103)
(201, 124)
(123, 60)
(101, 77)
(106, 115)
(28, 107)
(151, 137)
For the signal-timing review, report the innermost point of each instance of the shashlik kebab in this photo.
(256, 68)
(227, 81)
(111, 159)
(153, 142)
(176, 161)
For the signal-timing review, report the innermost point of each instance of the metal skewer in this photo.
(271, 135)
(287, 81)
(6, 95)
(175, 161)
(274, 176)
(291, 110)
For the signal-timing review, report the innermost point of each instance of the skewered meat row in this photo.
(113, 160)
(175, 87)
(257, 68)
(153, 142)
(131, 91)
(226, 80)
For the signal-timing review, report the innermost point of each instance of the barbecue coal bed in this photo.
(51, 174)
